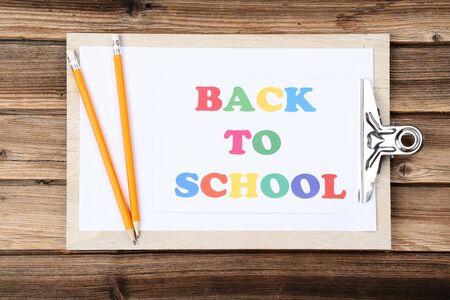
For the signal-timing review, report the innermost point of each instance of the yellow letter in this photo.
(261, 99)
(237, 185)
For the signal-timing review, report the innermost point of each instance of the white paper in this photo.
(170, 137)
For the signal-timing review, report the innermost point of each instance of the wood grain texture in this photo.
(38, 149)
(39, 209)
(406, 21)
(420, 79)
(41, 170)
(420, 218)
(32, 82)
(33, 78)
(40, 138)
(32, 216)
(227, 276)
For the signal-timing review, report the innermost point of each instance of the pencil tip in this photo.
(131, 234)
(136, 225)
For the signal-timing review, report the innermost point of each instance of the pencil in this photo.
(118, 194)
(127, 144)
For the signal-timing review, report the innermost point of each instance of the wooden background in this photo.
(33, 262)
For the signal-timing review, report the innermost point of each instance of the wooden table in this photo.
(33, 262)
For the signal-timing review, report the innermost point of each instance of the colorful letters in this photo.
(257, 142)
(208, 99)
(238, 185)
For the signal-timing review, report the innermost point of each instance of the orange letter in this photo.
(207, 188)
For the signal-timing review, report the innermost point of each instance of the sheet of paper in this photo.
(194, 111)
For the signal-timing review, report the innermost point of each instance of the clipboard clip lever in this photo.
(378, 140)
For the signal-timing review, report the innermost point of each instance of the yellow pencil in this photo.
(127, 143)
(73, 61)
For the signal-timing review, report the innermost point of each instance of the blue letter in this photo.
(296, 186)
(190, 186)
(293, 99)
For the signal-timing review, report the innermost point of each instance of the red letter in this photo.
(237, 140)
(329, 188)
(206, 185)
(208, 98)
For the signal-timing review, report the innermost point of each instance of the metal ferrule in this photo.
(73, 61)
(116, 44)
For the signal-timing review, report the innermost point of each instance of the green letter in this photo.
(239, 98)
(283, 184)
(275, 142)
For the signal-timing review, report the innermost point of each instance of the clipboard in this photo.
(109, 240)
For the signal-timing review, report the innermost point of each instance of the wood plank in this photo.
(227, 275)
(39, 211)
(415, 63)
(420, 79)
(32, 217)
(33, 138)
(420, 96)
(406, 21)
(33, 78)
(41, 170)
(34, 147)
(420, 218)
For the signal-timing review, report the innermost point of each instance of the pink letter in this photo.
(208, 98)
(237, 140)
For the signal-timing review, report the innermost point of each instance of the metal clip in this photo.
(378, 140)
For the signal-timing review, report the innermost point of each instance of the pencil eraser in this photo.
(70, 53)
(115, 37)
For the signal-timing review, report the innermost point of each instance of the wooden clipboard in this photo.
(90, 240)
